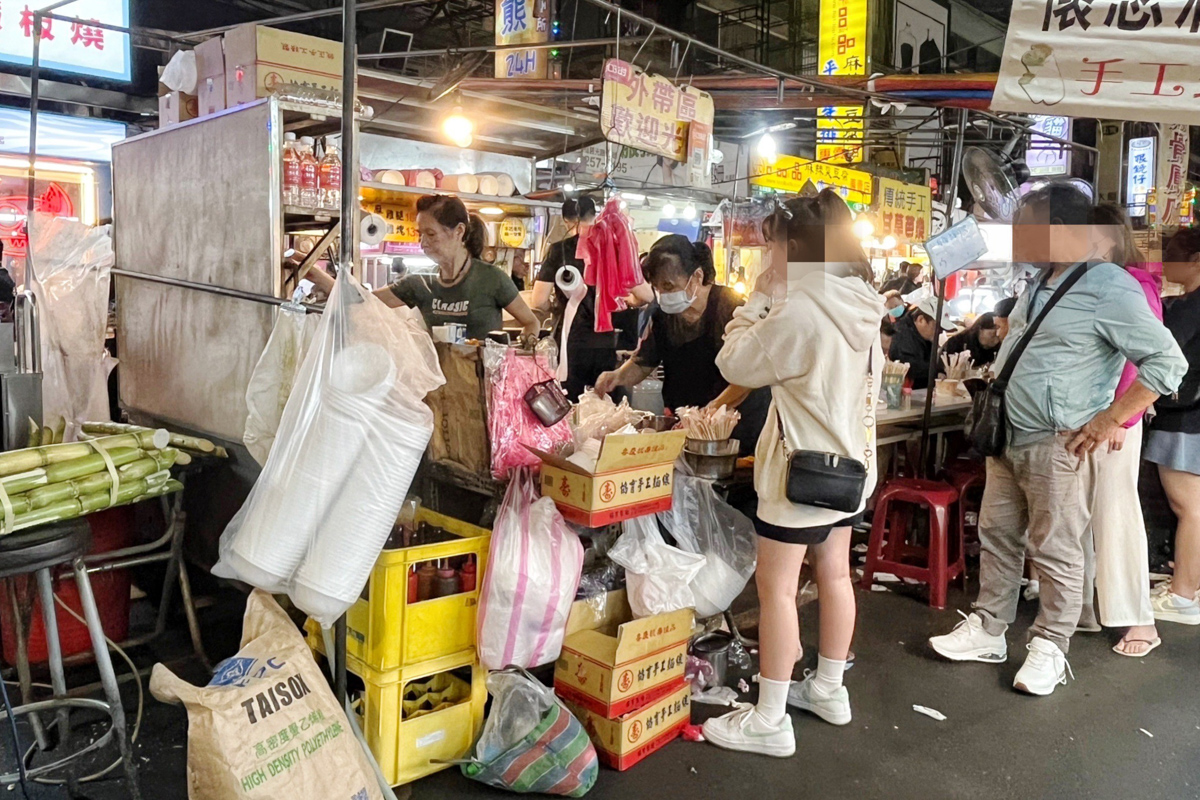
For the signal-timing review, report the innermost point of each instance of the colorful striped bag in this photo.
(531, 742)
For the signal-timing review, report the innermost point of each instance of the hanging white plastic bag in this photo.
(533, 574)
(351, 438)
(72, 269)
(274, 376)
(700, 522)
(656, 574)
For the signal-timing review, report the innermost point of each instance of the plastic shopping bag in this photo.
(700, 522)
(274, 376)
(656, 574)
(531, 742)
(532, 576)
(267, 725)
(351, 438)
(511, 425)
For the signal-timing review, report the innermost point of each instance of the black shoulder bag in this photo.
(989, 433)
(827, 480)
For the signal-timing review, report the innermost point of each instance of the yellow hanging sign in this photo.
(841, 50)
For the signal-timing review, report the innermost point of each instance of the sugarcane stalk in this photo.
(220, 452)
(152, 464)
(182, 459)
(90, 503)
(35, 433)
(178, 440)
(68, 470)
(60, 430)
(31, 458)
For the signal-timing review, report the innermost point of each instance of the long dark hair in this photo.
(823, 227)
(450, 212)
(677, 254)
(1127, 252)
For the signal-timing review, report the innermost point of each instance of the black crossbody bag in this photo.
(827, 480)
(989, 433)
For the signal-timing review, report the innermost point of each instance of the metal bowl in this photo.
(712, 447)
(658, 424)
(714, 461)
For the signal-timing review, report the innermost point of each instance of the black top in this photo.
(1181, 315)
(688, 351)
(910, 347)
(583, 329)
(903, 284)
(969, 340)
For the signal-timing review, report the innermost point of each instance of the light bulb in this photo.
(889, 242)
(863, 228)
(458, 128)
(740, 287)
(568, 188)
(689, 211)
(766, 147)
(669, 210)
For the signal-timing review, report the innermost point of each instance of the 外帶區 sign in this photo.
(905, 211)
(522, 22)
(789, 174)
(841, 50)
(1139, 180)
(652, 114)
(68, 46)
(1174, 149)
(1112, 59)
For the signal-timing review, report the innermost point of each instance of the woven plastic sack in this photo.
(267, 726)
(700, 522)
(350, 441)
(531, 580)
(511, 425)
(657, 575)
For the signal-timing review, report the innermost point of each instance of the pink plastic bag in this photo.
(511, 425)
(532, 575)
(610, 256)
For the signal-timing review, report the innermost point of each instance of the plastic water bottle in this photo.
(291, 171)
(309, 181)
(330, 179)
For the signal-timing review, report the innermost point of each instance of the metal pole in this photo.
(951, 199)
(301, 16)
(349, 242)
(31, 182)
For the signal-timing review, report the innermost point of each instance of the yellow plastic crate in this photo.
(385, 632)
(406, 748)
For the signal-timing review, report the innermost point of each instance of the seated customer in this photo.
(913, 341)
(981, 340)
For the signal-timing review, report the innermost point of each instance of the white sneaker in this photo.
(1170, 607)
(1044, 669)
(833, 708)
(1033, 590)
(970, 642)
(746, 730)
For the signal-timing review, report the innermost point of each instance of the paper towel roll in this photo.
(372, 229)
(570, 281)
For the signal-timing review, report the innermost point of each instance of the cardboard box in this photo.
(633, 477)
(612, 664)
(210, 75)
(175, 107)
(625, 741)
(258, 59)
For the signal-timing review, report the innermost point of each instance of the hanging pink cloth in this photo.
(610, 258)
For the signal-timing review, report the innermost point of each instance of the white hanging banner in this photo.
(1109, 59)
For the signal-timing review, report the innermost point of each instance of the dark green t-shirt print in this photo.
(478, 300)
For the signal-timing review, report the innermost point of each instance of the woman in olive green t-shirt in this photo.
(465, 290)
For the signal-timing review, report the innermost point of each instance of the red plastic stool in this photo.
(893, 512)
(968, 477)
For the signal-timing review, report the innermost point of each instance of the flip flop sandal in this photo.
(1152, 642)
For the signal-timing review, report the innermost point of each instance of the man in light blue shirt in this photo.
(1061, 415)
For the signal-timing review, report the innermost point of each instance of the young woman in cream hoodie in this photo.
(810, 331)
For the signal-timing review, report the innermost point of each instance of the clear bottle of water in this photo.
(309, 180)
(331, 178)
(291, 171)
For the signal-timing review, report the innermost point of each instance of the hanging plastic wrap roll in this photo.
(351, 437)
(511, 425)
(274, 376)
(570, 282)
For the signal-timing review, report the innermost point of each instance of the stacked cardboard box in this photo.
(624, 678)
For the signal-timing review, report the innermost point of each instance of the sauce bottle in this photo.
(414, 586)
(446, 583)
(467, 577)
(426, 575)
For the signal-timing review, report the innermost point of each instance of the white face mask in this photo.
(676, 302)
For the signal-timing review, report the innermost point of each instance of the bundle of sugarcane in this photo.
(54, 483)
(179, 441)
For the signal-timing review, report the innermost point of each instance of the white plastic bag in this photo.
(656, 574)
(532, 575)
(72, 269)
(351, 438)
(274, 376)
(700, 522)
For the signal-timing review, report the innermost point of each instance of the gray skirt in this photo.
(1174, 450)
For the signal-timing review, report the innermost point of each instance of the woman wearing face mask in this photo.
(465, 289)
(809, 333)
(686, 333)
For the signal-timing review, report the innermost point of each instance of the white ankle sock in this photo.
(1182, 602)
(772, 699)
(829, 675)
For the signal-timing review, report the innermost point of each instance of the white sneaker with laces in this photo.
(1170, 607)
(970, 642)
(745, 730)
(833, 708)
(1044, 669)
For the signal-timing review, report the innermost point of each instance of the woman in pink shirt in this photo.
(1115, 551)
